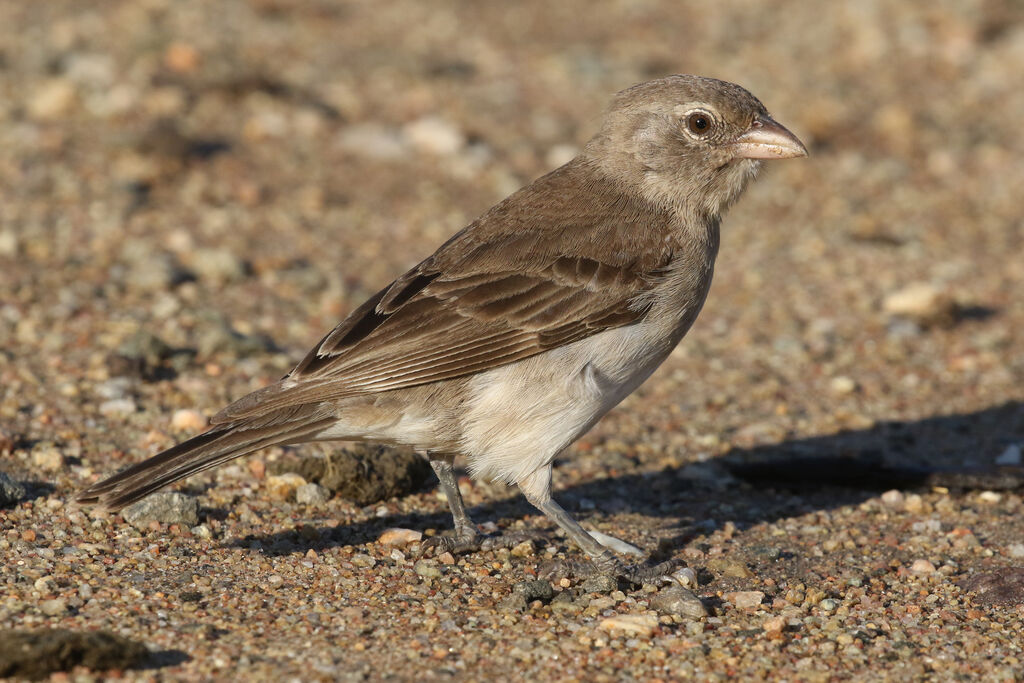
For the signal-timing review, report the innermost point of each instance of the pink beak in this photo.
(767, 139)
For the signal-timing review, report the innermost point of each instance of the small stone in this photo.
(828, 605)
(283, 486)
(600, 583)
(202, 531)
(188, 420)
(167, 507)
(893, 498)
(685, 577)
(54, 607)
(181, 58)
(217, 265)
(731, 568)
(45, 584)
(534, 590)
(914, 503)
(774, 625)
(52, 99)
(1015, 550)
(48, 458)
(922, 567)
(446, 558)
(311, 494)
(678, 600)
(920, 301)
(990, 497)
(399, 536)
(28, 535)
(434, 135)
(842, 385)
(1011, 456)
(427, 570)
(10, 491)
(373, 141)
(640, 624)
(365, 561)
(745, 599)
(118, 407)
(524, 549)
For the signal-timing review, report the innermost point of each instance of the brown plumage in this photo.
(519, 332)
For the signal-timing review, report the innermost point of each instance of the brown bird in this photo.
(511, 340)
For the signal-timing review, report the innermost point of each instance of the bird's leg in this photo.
(466, 538)
(537, 489)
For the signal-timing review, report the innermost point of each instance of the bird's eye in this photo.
(698, 123)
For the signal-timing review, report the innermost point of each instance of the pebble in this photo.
(167, 507)
(922, 566)
(685, 577)
(920, 301)
(399, 536)
(434, 135)
(311, 494)
(118, 407)
(1015, 550)
(373, 141)
(534, 590)
(640, 624)
(283, 486)
(744, 599)
(188, 420)
(427, 570)
(54, 607)
(600, 583)
(893, 498)
(842, 385)
(47, 457)
(774, 625)
(217, 266)
(678, 600)
(828, 605)
(52, 99)
(10, 491)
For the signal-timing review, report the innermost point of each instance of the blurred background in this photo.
(192, 193)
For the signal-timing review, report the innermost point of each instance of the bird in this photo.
(522, 330)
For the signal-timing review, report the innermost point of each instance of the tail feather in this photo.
(209, 449)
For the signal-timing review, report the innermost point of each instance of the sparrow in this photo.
(509, 342)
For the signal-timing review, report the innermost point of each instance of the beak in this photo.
(767, 139)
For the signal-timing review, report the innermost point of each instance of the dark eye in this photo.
(699, 123)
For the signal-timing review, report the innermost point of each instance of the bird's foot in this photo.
(469, 541)
(607, 565)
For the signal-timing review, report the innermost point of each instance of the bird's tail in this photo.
(209, 449)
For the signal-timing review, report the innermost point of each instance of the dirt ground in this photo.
(192, 193)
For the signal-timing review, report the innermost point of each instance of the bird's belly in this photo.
(520, 416)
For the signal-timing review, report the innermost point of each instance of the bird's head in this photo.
(689, 141)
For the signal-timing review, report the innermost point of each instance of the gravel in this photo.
(189, 208)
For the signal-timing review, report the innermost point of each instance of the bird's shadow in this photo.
(747, 486)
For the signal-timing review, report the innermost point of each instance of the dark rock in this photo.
(363, 474)
(10, 491)
(600, 583)
(37, 654)
(678, 600)
(168, 507)
(1003, 586)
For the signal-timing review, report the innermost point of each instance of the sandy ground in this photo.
(192, 193)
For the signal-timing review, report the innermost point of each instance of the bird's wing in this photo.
(542, 269)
